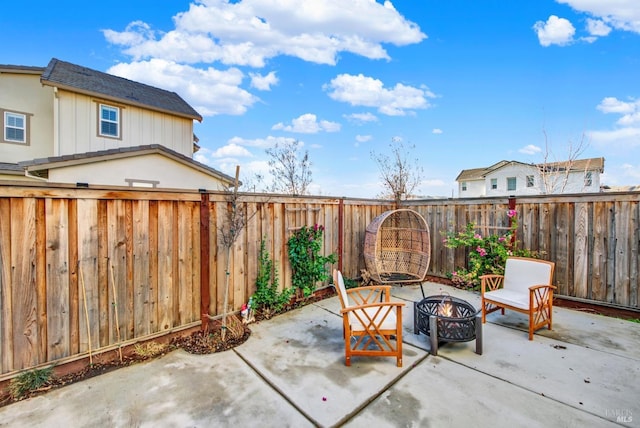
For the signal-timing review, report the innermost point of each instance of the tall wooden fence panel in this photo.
(91, 269)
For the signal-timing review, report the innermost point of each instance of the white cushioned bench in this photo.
(525, 287)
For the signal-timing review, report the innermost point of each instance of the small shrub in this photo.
(308, 266)
(29, 381)
(267, 297)
(487, 254)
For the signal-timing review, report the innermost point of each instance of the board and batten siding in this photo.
(78, 127)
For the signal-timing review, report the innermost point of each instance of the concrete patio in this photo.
(291, 372)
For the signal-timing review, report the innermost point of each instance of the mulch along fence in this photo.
(95, 269)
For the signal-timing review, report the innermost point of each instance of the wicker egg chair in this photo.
(397, 247)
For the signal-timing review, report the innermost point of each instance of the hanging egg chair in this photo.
(397, 247)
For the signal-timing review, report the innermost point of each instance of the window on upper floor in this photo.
(530, 181)
(588, 178)
(463, 187)
(511, 183)
(494, 183)
(110, 121)
(15, 127)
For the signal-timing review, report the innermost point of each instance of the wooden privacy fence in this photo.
(93, 269)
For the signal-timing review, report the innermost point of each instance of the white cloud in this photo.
(631, 171)
(231, 150)
(630, 110)
(224, 36)
(530, 150)
(263, 82)
(209, 91)
(436, 131)
(621, 138)
(620, 14)
(556, 31)
(361, 117)
(613, 105)
(366, 91)
(249, 32)
(308, 124)
(597, 27)
(363, 138)
(261, 143)
(626, 136)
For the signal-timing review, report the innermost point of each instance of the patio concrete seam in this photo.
(524, 388)
(327, 310)
(382, 390)
(278, 390)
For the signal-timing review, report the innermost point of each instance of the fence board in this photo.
(186, 255)
(154, 324)
(581, 251)
(57, 296)
(599, 253)
(622, 279)
(117, 245)
(141, 269)
(88, 256)
(634, 254)
(6, 305)
(74, 291)
(165, 265)
(23, 285)
(252, 239)
(104, 274)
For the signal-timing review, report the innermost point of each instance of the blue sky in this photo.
(468, 82)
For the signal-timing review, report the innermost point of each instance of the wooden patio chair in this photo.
(372, 324)
(525, 287)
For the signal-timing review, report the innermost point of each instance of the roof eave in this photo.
(118, 99)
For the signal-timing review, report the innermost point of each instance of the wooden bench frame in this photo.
(524, 278)
(372, 320)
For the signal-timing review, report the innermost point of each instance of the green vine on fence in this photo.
(486, 254)
(267, 298)
(308, 266)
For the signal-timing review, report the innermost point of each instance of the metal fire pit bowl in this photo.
(447, 319)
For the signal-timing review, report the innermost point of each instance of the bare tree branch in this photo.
(400, 177)
(554, 174)
(291, 170)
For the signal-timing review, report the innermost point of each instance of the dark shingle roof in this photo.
(11, 168)
(21, 69)
(91, 82)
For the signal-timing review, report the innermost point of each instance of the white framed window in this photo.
(530, 181)
(14, 127)
(494, 183)
(511, 183)
(109, 121)
(588, 179)
(464, 186)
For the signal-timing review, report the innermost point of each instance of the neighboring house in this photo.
(69, 124)
(507, 178)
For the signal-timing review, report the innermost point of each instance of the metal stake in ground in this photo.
(86, 311)
(115, 309)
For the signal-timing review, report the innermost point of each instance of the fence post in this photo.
(205, 297)
(340, 232)
(512, 206)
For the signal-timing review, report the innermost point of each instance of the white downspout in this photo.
(56, 122)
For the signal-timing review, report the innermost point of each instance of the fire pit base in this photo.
(447, 319)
